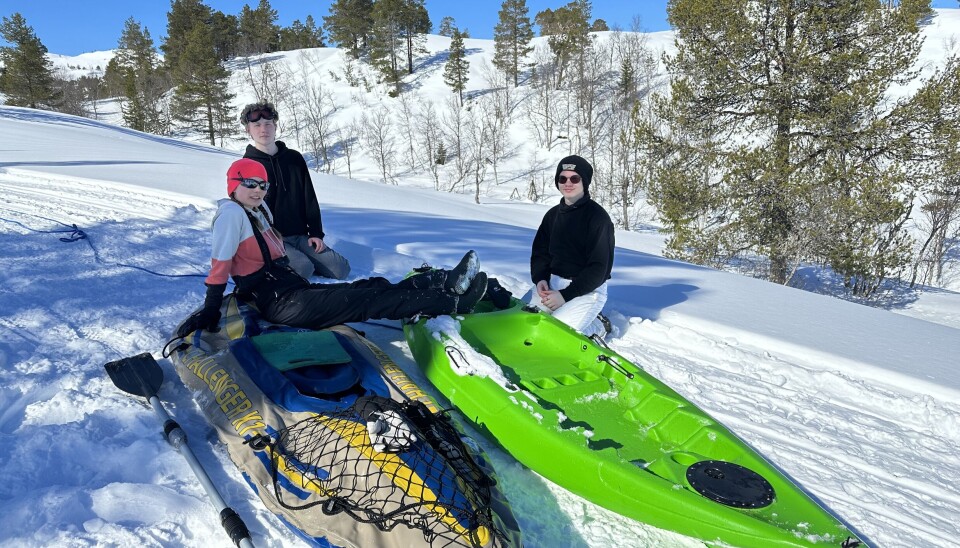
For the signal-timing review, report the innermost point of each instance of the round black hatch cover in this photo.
(730, 484)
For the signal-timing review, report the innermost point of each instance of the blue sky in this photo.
(71, 27)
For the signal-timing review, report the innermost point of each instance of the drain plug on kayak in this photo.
(730, 484)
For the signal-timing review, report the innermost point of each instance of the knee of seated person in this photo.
(342, 270)
(333, 271)
(304, 270)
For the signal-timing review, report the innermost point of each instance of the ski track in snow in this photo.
(68, 200)
(822, 428)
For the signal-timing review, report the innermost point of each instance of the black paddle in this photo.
(141, 375)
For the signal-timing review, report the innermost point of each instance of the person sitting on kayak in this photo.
(572, 254)
(247, 248)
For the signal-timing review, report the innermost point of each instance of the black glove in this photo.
(207, 317)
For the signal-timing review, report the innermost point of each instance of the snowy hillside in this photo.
(86, 64)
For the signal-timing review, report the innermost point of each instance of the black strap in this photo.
(262, 243)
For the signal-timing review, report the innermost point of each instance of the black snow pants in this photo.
(316, 306)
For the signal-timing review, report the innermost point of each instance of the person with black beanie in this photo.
(572, 255)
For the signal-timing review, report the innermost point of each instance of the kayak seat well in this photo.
(314, 361)
(561, 381)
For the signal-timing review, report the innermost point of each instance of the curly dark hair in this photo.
(263, 106)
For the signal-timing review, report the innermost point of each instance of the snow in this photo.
(859, 405)
(72, 67)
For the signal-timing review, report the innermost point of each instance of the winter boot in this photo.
(459, 279)
(467, 301)
(428, 279)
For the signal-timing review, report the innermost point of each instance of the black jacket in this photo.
(574, 242)
(291, 197)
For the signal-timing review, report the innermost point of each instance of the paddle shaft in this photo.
(231, 522)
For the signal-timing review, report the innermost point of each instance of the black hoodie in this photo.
(574, 242)
(291, 197)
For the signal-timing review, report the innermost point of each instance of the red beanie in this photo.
(244, 168)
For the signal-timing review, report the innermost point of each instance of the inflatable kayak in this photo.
(337, 441)
(587, 419)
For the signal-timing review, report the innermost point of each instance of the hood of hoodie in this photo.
(254, 152)
(271, 163)
(575, 205)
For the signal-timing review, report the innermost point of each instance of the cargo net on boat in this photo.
(431, 482)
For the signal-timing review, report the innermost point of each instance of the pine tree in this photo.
(456, 71)
(137, 68)
(201, 99)
(27, 75)
(627, 84)
(599, 25)
(114, 78)
(183, 16)
(567, 28)
(225, 30)
(414, 25)
(447, 24)
(779, 143)
(511, 38)
(259, 32)
(349, 25)
(387, 44)
(313, 35)
(301, 35)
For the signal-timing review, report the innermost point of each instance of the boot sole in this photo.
(472, 266)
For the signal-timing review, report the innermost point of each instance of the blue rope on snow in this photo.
(77, 233)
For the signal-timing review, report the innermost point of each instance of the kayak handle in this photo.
(615, 365)
(452, 352)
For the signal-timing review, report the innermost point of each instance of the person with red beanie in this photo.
(572, 255)
(246, 248)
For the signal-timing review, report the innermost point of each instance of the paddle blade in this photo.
(139, 375)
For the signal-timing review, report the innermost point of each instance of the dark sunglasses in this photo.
(574, 179)
(257, 115)
(251, 183)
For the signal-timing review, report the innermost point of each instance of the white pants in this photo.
(579, 313)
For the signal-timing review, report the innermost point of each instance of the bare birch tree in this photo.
(540, 110)
(429, 136)
(348, 141)
(478, 139)
(378, 135)
(497, 111)
(453, 121)
(320, 110)
(408, 103)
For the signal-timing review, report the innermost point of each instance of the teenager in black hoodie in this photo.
(291, 198)
(572, 254)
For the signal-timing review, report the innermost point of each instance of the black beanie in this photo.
(578, 165)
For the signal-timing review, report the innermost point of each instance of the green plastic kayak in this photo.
(589, 420)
